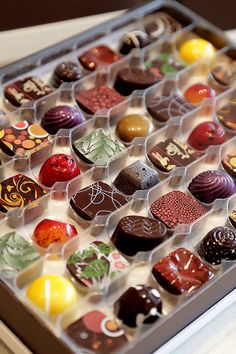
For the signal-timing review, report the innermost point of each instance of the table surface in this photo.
(214, 331)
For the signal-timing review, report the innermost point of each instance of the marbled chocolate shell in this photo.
(68, 71)
(61, 117)
(218, 244)
(211, 185)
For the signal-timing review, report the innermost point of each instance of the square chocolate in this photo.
(229, 163)
(23, 139)
(18, 191)
(97, 332)
(100, 97)
(137, 176)
(181, 272)
(97, 199)
(26, 90)
(172, 153)
(96, 265)
(100, 55)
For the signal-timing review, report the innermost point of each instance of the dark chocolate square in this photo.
(100, 55)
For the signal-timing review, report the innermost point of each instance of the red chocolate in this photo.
(100, 55)
(197, 92)
(206, 134)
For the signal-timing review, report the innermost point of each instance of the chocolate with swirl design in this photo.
(211, 185)
(18, 191)
(227, 115)
(219, 244)
(163, 24)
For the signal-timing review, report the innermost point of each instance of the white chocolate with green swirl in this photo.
(16, 253)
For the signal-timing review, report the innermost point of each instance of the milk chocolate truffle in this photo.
(61, 117)
(100, 97)
(130, 79)
(132, 126)
(100, 55)
(219, 244)
(164, 107)
(175, 208)
(172, 153)
(205, 135)
(138, 305)
(227, 115)
(163, 24)
(211, 185)
(137, 176)
(136, 233)
(165, 63)
(181, 272)
(67, 71)
(131, 40)
(229, 163)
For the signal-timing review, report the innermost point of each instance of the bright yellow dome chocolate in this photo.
(195, 49)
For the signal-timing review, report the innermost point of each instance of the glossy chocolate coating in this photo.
(67, 71)
(61, 117)
(98, 198)
(137, 176)
(100, 55)
(131, 40)
(132, 126)
(164, 107)
(227, 115)
(229, 163)
(175, 208)
(181, 272)
(162, 25)
(211, 185)
(172, 153)
(219, 244)
(130, 79)
(136, 233)
(138, 305)
(206, 134)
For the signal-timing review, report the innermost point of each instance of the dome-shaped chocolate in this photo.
(135, 39)
(68, 71)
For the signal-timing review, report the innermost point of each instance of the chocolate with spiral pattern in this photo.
(218, 244)
(211, 185)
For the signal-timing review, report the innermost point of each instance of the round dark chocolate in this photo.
(211, 185)
(219, 244)
(131, 40)
(138, 305)
(68, 71)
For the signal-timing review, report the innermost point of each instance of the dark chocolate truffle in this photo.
(135, 233)
(138, 305)
(206, 134)
(133, 126)
(227, 115)
(229, 163)
(163, 24)
(61, 117)
(67, 71)
(219, 244)
(175, 208)
(181, 272)
(100, 55)
(211, 185)
(131, 40)
(137, 176)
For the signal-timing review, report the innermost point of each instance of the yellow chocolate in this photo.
(195, 49)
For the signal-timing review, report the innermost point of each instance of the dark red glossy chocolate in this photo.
(206, 134)
(100, 55)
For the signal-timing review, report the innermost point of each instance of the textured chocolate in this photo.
(138, 305)
(136, 233)
(211, 185)
(18, 191)
(100, 55)
(97, 199)
(205, 135)
(130, 79)
(132, 126)
(100, 97)
(137, 176)
(97, 332)
(131, 40)
(26, 90)
(181, 272)
(227, 115)
(163, 24)
(67, 71)
(219, 244)
(175, 208)
(164, 107)
(172, 153)
(229, 163)
(165, 64)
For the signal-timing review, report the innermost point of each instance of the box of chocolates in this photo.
(118, 183)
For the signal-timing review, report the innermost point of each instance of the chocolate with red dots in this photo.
(100, 55)
(23, 139)
(181, 272)
(98, 98)
(175, 208)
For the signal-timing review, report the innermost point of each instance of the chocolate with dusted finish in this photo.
(68, 71)
(135, 233)
(61, 117)
(96, 199)
(172, 153)
(163, 24)
(26, 90)
(227, 115)
(229, 162)
(97, 332)
(101, 97)
(130, 79)
(138, 305)
(131, 40)
(210, 185)
(18, 191)
(175, 208)
(100, 55)
(219, 244)
(181, 272)
(133, 126)
(137, 176)
(164, 107)
(205, 135)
